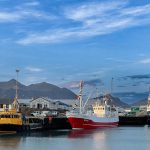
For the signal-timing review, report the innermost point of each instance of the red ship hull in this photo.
(81, 123)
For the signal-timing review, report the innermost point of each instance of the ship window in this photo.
(16, 116)
(2, 116)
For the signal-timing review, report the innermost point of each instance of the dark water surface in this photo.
(120, 138)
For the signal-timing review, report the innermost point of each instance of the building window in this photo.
(39, 106)
(45, 105)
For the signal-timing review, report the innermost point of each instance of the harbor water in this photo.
(119, 138)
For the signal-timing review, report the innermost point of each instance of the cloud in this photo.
(51, 36)
(92, 19)
(9, 16)
(15, 16)
(72, 84)
(33, 3)
(145, 61)
(139, 76)
(24, 11)
(138, 10)
(89, 10)
(76, 84)
(34, 69)
(94, 82)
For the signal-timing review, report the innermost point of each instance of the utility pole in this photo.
(111, 86)
(17, 73)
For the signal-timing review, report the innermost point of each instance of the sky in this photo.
(65, 41)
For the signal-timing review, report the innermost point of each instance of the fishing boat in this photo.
(102, 115)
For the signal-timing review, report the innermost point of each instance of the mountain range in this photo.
(8, 88)
(8, 91)
(113, 101)
(126, 97)
(141, 102)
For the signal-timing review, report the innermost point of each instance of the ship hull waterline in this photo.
(81, 123)
(10, 127)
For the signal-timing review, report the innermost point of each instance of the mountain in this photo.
(141, 102)
(131, 97)
(113, 101)
(7, 90)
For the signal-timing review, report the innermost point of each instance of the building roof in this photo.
(25, 101)
(46, 99)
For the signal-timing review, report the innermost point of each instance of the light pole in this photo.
(111, 86)
(17, 73)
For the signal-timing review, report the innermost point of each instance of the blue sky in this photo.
(60, 41)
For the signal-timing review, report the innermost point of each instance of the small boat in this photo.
(35, 123)
(102, 115)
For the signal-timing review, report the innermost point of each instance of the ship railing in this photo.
(72, 113)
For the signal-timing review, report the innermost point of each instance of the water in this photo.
(121, 138)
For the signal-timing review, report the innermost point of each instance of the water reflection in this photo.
(121, 138)
(9, 142)
(96, 134)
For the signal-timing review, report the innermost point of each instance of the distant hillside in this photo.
(141, 102)
(113, 101)
(7, 90)
(131, 97)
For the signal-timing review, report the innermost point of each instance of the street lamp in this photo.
(17, 73)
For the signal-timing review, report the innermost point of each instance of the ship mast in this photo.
(148, 103)
(15, 103)
(80, 95)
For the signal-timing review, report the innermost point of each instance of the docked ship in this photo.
(12, 120)
(102, 115)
